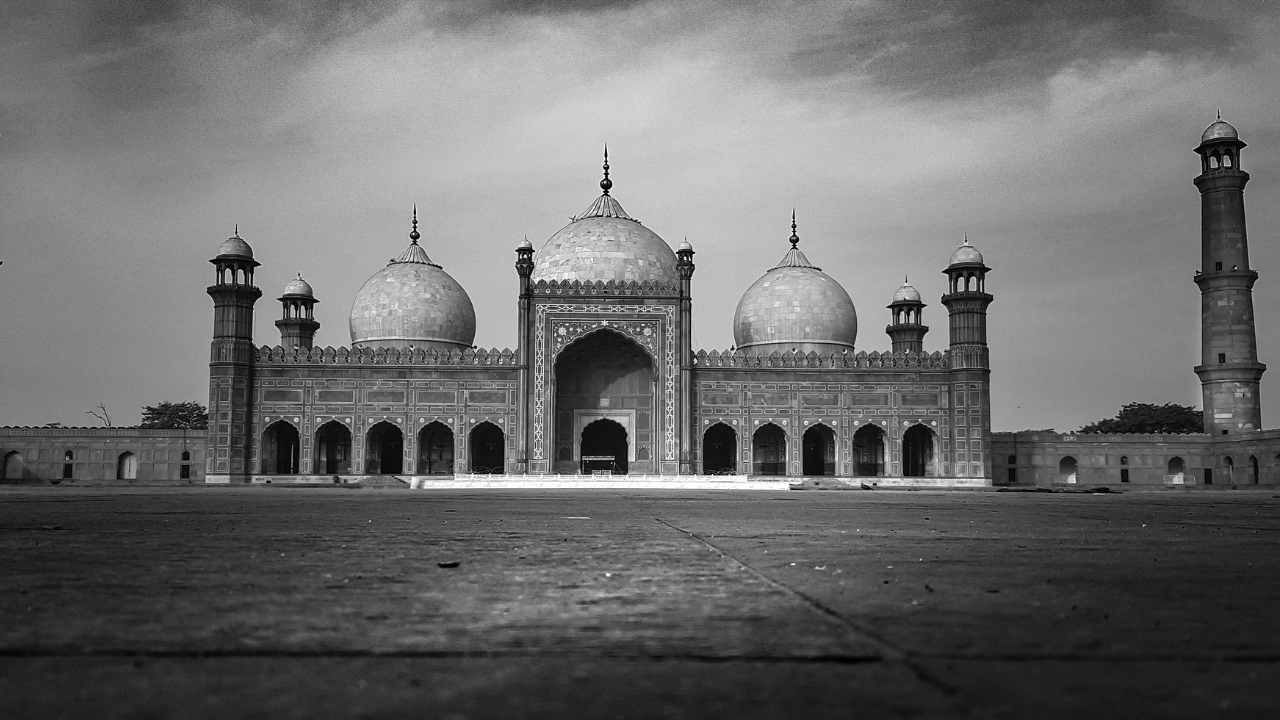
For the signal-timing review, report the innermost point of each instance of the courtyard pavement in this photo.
(278, 602)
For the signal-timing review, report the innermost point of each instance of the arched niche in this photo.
(868, 451)
(333, 449)
(1067, 470)
(280, 448)
(719, 450)
(384, 449)
(919, 452)
(769, 450)
(435, 449)
(605, 375)
(486, 447)
(818, 451)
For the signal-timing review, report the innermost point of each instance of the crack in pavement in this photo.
(889, 651)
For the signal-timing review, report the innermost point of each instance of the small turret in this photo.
(906, 328)
(298, 324)
(966, 301)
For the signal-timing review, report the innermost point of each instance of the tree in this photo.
(101, 414)
(188, 415)
(1150, 418)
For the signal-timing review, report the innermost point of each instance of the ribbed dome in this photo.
(795, 305)
(906, 293)
(1220, 130)
(605, 243)
(412, 302)
(966, 254)
(235, 245)
(299, 287)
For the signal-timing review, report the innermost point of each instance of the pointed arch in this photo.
(1254, 470)
(1067, 470)
(719, 450)
(127, 466)
(919, 452)
(384, 449)
(605, 373)
(68, 465)
(333, 449)
(604, 446)
(280, 447)
(868, 451)
(486, 446)
(818, 450)
(435, 449)
(769, 450)
(15, 465)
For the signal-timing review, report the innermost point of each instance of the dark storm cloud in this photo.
(950, 49)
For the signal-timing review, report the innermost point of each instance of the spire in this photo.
(606, 183)
(236, 233)
(413, 234)
(794, 257)
(414, 253)
(1219, 113)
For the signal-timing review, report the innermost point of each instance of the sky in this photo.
(135, 135)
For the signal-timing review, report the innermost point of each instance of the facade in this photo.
(604, 378)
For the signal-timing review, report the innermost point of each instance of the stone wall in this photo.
(124, 456)
(893, 396)
(1045, 458)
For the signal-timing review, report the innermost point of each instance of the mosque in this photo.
(604, 379)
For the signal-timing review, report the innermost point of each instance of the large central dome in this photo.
(604, 243)
(412, 302)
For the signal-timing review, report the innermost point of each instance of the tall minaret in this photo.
(231, 357)
(966, 302)
(907, 328)
(1229, 369)
(298, 323)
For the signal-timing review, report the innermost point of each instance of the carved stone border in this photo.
(566, 322)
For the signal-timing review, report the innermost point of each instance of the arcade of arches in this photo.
(604, 373)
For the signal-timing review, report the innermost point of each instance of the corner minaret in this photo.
(907, 328)
(966, 301)
(1229, 371)
(231, 357)
(298, 323)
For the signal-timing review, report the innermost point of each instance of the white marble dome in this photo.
(795, 306)
(604, 243)
(412, 302)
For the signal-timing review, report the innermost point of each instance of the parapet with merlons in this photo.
(602, 288)
(477, 357)
(860, 359)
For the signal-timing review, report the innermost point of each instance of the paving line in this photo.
(889, 651)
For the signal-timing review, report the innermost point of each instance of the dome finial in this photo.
(1219, 113)
(236, 233)
(966, 238)
(413, 234)
(795, 239)
(606, 183)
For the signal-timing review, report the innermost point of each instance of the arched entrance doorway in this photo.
(486, 447)
(868, 451)
(604, 375)
(14, 466)
(435, 449)
(818, 455)
(719, 450)
(917, 452)
(1231, 468)
(127, 466)
(1176, 468)
(384, 450)
(1067, 469)
(1253, 469)
(769, 450)
(279, 449)
(333, 449)
(604, 448)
